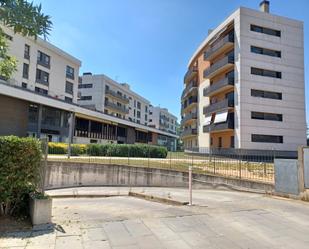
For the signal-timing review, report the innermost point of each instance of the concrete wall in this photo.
(14, 116)
(63, 174)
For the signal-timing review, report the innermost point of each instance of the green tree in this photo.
(24, 18)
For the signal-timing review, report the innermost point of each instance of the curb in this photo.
(157, 199)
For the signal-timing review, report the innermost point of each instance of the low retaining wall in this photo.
(68, 174)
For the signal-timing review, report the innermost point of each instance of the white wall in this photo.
(291, 64)
(58, 62)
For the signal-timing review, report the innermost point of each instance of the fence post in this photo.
(170, 159)
(239, 162)
(128, 155)
(44, 166)
(190, 185)
(148, 156)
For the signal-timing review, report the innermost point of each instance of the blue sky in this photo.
(148, 43)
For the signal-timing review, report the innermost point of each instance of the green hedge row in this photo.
(19, 173)
(117, 150)
(127, 150)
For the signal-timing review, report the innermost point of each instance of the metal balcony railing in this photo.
(218, 66)
(229, 124)
(116, 95)
(116, 107)
(219, 85)
(218, 106)
(189, 132)
(189, 117)
(226, 41)
(190, 73)
(189, 87)
(190, 101)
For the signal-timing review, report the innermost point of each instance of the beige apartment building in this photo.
(162, 119)
(244, 87)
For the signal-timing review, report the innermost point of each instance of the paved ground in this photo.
(220, 219)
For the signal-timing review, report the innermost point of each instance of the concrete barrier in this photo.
(68, 174)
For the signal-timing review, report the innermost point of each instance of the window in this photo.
(265, 72)
(42, 77)
(266, 116)
(267, 31)
(146, 117)
(138, 105)
(257, 138)
(146, 108)
(134, 112)
(26, 71)
(70, 72)
(85, 86)
(138, 121)
(69, 87)
(265, 51)
(67, 99)
(24, 85)
(86, 98)
(134, 103)
(220, 142)
(138, 114)
(232, 142)
(43, 59)
(41, 91)
(266, 94)
(27, 52)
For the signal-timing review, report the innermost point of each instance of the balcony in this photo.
(218, 47)
(189, 102)
(189, 132)
(218, 106)
(116, 107)
(223, 84)
(228, 125)
(190, 74)
(117, 95)
(190, 116)
(189, 88)
(220, 66)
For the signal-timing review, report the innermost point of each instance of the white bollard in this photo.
(190, 185)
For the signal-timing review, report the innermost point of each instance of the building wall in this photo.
(203, 137)
(57, 71)
(291, 64)
(162, 119)
(14, 116)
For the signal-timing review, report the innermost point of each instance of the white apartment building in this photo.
(101, 93)
(43, 68)
(162, 119)
(249, 72)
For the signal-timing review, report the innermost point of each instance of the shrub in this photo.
(125, 150)
(19, 172)
(62, 148)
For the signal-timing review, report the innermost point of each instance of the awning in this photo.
(221, 117)
(207, 120)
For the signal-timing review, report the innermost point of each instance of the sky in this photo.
(148, 43)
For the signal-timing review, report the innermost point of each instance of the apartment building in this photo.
(162, 119)
(244, 87)
(101, 93)
(43, 68)
(41, 101)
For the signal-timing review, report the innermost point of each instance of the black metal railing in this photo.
(223, 83)
(227, 60)
(189, 117)
(229, 124)
(116, 95)
(228, 39)
(116, 107)
(189, 132)
(218, 106)
(190, 101)
(190, 73)
(192, 85)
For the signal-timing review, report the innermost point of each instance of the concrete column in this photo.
(39, 122)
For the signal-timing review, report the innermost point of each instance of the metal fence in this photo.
(241, 164)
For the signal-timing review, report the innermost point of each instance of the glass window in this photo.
(26, 71)
(266, 138)
(266, 73)
(24, 85)
(33, 113)
(266, 94)
(43, 59)
(67, 99)
(138, 105)
(85, 85)
(86, 98)
(267, 31)
(42, 77)
(41, 90)
(266, 116)
(27, 52)
(70, 72)
(69, 87)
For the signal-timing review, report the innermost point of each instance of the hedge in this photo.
(118, 150)
(19, 173)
